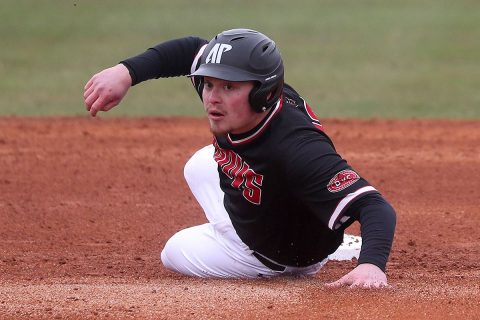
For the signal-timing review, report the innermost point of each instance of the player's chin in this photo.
(217, 129)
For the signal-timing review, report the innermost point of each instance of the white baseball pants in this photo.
(214, 249)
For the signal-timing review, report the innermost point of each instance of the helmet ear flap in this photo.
(257, 97)
(263, 97)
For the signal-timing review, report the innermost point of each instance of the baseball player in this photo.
(276, 194)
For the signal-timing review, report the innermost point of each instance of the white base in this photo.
(349, 249)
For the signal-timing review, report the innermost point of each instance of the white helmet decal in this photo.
(215, 55)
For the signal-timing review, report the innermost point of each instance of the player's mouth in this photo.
(215, 115)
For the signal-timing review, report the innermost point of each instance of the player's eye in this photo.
(208, 84)
(228, 87)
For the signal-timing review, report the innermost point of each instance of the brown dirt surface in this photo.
(86, 206)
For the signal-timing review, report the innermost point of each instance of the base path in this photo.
(87, 204)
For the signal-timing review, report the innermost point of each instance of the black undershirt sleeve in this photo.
(172, 58)
(377, 224)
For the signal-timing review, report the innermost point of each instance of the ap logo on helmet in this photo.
(215, 55)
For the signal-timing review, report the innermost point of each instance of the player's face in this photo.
(227, 106)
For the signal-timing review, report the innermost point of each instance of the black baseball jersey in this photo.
(284, 185)
(289, 194)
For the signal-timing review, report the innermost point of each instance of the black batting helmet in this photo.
(245, 55)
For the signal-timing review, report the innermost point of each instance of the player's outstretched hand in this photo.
(365, 275)
(106, 89)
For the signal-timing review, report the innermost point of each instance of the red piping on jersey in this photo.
(260, 130)
(312, 115)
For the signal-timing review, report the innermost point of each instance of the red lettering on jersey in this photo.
(342, 180)
(236, 162)
(252, 191)
(223, 158)
(239, 173)
(244, 178)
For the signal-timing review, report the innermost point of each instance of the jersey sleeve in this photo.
(377, 225)
(172, 58)
(322, 180)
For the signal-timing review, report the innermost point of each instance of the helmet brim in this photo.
(224, 72)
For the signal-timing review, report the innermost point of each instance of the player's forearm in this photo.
(378, 220)
(168, 59)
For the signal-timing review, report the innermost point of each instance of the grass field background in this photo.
(348, 58)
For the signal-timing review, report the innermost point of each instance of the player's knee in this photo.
(169, 254)
(175, 256)
(166, 261)
(184, 252)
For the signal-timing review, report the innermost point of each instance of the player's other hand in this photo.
(365, 275)
(106, 89)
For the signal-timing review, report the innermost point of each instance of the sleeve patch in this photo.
(342, 180)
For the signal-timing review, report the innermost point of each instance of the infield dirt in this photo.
(86, 206)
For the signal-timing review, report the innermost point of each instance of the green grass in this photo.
(348, 58)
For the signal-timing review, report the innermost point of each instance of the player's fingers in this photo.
(344, 281)
(91, 99)
(369, 284)
(88, 92)
(102, 105)
(359, 285)
(88, 84)
(96, 106)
